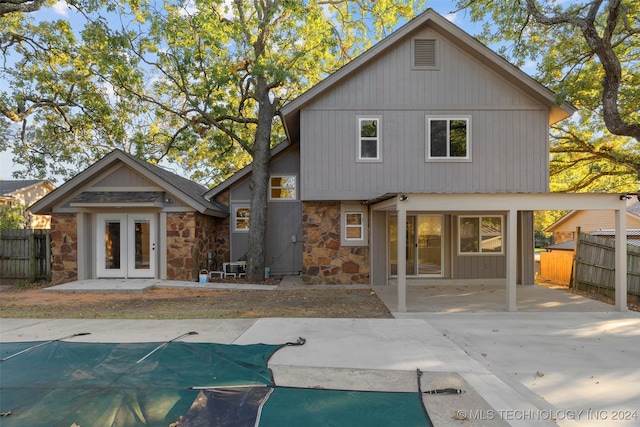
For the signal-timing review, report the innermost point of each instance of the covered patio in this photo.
(511, 206)
(482, 298)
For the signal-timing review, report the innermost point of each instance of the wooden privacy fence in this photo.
(594, 269)
(556, 265)
(24, 255)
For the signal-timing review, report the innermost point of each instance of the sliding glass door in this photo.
(424, 245)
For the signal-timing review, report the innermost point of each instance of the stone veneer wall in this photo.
(324, 260)
(190, 237)
(64, 248)
(222, 245)
(182, 256)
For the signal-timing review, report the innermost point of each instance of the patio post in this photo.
(402, 257)
(511, 251)
(621, 260)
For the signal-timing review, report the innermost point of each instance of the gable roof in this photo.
(633, 211)
(11, 186)
(190, 192)
(291, 112)
(245, 171)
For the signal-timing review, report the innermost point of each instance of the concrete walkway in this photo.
(551, 366)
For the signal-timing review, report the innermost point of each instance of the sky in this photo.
(443, 7)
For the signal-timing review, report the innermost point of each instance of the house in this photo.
(23, 193)
(420, 161)
(564, 229)
(125, 218)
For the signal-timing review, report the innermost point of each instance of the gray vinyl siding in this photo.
(479, 267)
(284, 220)
(378, 225)
(284, 256)
(509, 143)
(526, 267)
(124, 177)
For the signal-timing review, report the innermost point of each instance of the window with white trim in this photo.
(369, 139)
(480, 235)
(354, 225)
(448, 138)
(282, 187)
(241, 217)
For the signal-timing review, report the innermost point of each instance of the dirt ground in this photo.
(192, 304)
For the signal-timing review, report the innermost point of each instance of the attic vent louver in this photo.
(424, 53)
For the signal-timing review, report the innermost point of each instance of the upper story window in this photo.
(241, 218)
(282, 187)
(369, 139)
(448, 138)
(480, 235)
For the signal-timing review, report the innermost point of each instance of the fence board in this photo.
(556, 266)
(595, 267)
(24, 255)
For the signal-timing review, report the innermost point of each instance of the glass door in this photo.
(429, 245)
(142, 246)
(111, 240)
(126, 245)
(424, 245)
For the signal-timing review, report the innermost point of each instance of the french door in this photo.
(126, 245)
(424, 245)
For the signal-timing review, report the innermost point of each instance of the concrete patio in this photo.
(560, 360)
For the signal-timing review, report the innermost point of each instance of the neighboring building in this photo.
(23, 193)
(564, 229)
(422, 159)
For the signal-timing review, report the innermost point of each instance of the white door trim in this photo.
(106, 258)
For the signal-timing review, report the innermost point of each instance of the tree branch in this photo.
(20, 6)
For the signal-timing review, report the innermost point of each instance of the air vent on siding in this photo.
(424, 53)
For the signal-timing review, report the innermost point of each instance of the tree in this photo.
(22, 6)
(588, 53)
(11, 217)
(219, 71)
(586, 158)
(58, 114)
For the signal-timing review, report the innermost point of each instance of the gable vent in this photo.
(424, 53)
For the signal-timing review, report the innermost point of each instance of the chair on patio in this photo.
(217, 268)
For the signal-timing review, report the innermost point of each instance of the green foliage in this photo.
(586, 158)
(169, 81)
(571, 58)
(11, 217)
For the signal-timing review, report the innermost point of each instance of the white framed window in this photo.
(282, 187)
(482, 234)
(369, 131)
(354, 224)
(241, 218)
(448, 138)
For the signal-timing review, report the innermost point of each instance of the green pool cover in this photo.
(182, 384)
